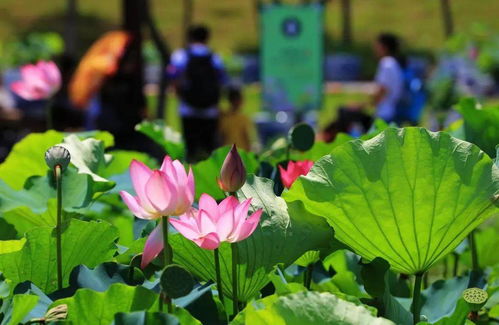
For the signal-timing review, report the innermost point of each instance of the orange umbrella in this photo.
(100, 62)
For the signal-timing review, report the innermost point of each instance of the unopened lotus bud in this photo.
(233, 173)
(476, 298)
(57, 156)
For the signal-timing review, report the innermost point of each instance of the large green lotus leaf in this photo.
(87, 243)
(481, 125)
(89, 158)
(409, 196)
(27, 158)
(207, 171)
(170, 140)
(180, 317)
(14, 311)
(307, 307)
(281, 237)
(98, 308)
(458, 317)
(9, 246)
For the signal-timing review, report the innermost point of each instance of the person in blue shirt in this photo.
(198, 76)
(389, 77)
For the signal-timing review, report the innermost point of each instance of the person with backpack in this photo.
(198, 76)
(389, 77)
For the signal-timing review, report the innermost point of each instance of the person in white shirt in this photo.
(389, 77)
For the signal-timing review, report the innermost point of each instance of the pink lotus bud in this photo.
(233, 173)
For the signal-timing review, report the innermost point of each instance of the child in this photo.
(235, 126)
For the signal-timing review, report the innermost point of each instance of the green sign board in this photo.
(292, 55)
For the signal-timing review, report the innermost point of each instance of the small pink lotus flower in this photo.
(168, 191)
(294, 170)
(233, 173)
(38, 81)
(213, 224)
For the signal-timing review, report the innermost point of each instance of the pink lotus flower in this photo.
(233, 173)
(215, 223)
(40, 81)
(294, 170)
(168, 191)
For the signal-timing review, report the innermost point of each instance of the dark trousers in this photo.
(201, 137)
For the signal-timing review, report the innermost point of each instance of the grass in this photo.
(234, 26)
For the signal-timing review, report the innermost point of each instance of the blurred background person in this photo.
(235, 126)
(389, 76)
(198, 76)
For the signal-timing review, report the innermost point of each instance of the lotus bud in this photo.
(57, 156)
(233, 173)
(476, 298)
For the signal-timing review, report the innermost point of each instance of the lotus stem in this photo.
(307, 279)
(235, 261)
(446, 267)
(216, 254)
(168, 258)
(456, 264)
(416, 298)
(58, 227)
(474, 254)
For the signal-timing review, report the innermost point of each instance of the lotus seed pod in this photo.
(57, 155)
(475, 297)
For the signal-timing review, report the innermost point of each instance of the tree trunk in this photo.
(70, 28)
(447, 18)
(346, 22)
(187, 18)
(165, 60)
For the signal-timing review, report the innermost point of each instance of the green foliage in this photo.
(480, 125)
(92, 307)
(16, 310)
(180, 317)
(487, 242)
(169, 139)
(34, 47)
(408, 195)
(88, 243)
(26, 158)
(284, 234)
(307, 308)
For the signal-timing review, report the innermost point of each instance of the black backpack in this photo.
(200, 83)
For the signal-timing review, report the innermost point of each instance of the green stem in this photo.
(456, 264)
(168, 258)
(167, 252)
(307, 279)
(219, 276)
(474, 253)
(446, 267)
(288, 152)
(58, 227)
(416, 298)
(235, 261)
